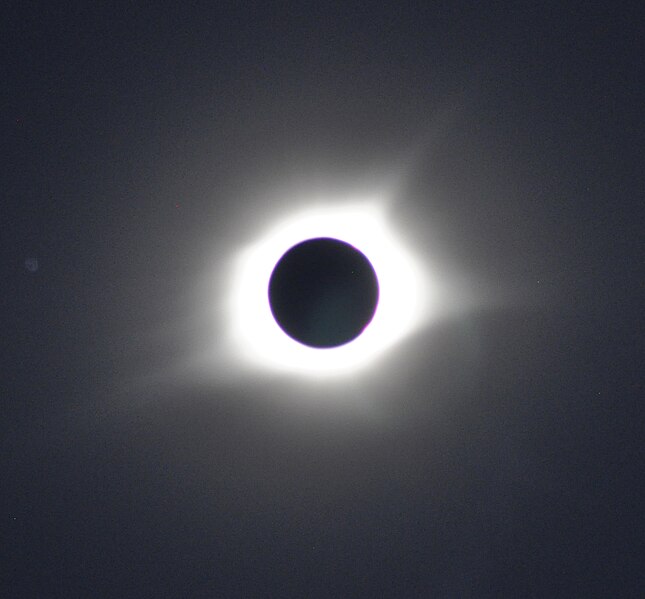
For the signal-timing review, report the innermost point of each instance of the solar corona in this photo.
(324, 292)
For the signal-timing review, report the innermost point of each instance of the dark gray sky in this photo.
(497, 451)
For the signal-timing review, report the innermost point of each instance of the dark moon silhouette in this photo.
(323, 292)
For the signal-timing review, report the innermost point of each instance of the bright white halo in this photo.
(404, 292)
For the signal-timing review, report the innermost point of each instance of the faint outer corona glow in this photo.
(404, 304)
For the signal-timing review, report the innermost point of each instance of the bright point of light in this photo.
(404, 292)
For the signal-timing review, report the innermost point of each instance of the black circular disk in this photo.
(323, 292)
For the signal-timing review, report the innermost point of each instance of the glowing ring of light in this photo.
(402, 307)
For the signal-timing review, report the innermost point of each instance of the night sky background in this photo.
(134, 144)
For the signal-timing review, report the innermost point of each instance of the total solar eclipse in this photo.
(295, 307)
(323, 292)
